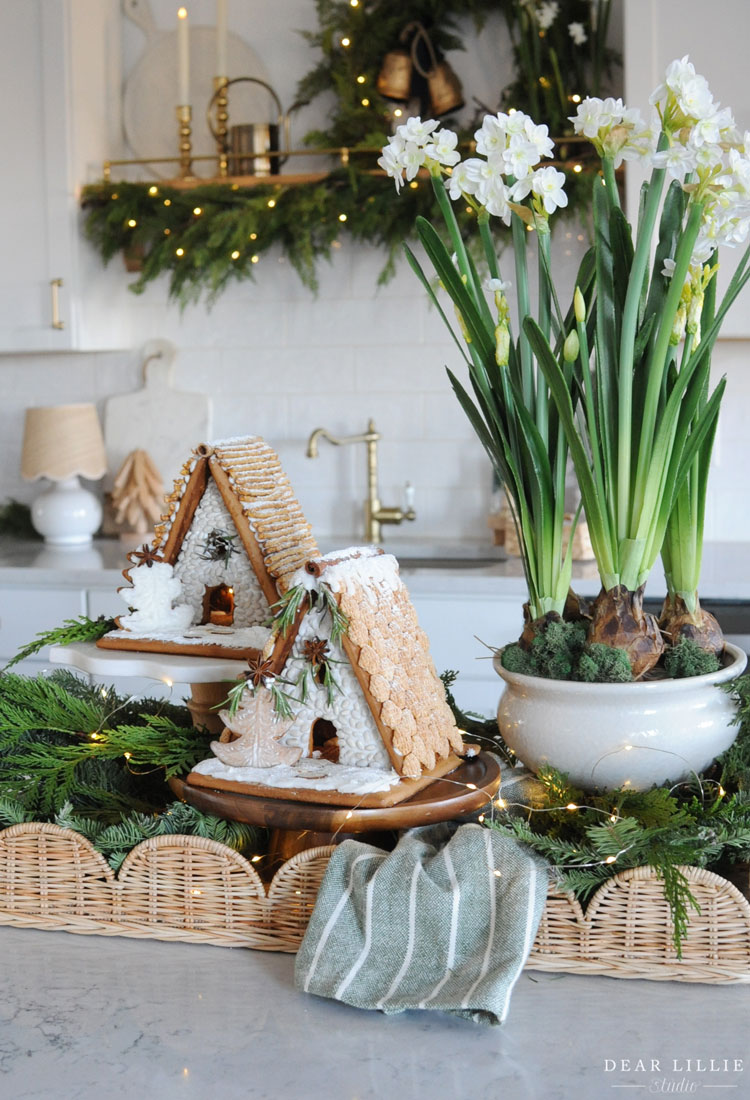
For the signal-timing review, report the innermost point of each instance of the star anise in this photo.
(315, 650)
(258, 670)
(145, 556)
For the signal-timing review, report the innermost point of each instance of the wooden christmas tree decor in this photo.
(137, 494)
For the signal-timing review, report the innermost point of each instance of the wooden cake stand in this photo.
(294, 825)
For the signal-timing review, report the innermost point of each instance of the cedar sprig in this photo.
(82, 629)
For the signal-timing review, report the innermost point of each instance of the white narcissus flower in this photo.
(462, 180)
(442, 148)
(498, 286)
(494, 196)
(694, 98)
(539, 137)
(492, 137)
(678, 160)
(577, 33)
(547, 13)
(391, 163)
(412, 159)
(520, 157)
(547, 183)
(417, 131)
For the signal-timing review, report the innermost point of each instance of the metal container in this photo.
(249, 145)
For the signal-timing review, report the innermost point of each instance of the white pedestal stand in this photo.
(209, 677)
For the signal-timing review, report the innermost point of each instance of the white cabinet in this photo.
(55, 74)
(462, 627)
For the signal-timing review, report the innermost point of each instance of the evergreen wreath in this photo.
(207, 236)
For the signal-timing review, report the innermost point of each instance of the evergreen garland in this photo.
(15, 520)
(156, 225)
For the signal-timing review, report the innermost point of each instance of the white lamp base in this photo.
(66, 514)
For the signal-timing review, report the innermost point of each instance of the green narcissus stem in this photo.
(519, 232)
(658, 359)
(542, 403)
(627, 346)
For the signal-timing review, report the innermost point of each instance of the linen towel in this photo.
(444, 921)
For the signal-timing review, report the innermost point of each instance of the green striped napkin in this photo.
(444, 921)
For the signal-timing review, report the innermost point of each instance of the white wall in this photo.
(279, 362)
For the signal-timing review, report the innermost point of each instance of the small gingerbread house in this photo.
(364, 719)
(232, 536)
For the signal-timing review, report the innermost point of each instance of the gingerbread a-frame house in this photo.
(232, 536)
(364, 720)
(385, 729)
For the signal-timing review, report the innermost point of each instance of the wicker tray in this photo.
(195, 890)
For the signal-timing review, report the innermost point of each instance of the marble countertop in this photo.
(86, 1017)
(470, 568)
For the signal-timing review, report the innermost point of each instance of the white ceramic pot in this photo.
(620, 735)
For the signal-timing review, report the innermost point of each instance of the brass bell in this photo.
(394, 78)
(446, 93)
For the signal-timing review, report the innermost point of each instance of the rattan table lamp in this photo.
(61, 443)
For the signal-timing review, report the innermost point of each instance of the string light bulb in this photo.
(571, 806)
(197, 210)
(346, 42)
(254, 259)
(253, 236)
(271, 203)
(365, 102)
(342, 217)
(132, 223)
(577, 167)
(398, 113)
(153, 190)
(167, 202)
(361, 79)
(235, 256)
(611, 859)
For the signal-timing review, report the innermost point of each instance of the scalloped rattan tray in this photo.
(196, 890)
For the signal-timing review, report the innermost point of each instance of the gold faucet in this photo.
(375, 513)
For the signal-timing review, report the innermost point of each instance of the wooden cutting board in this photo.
(165, 422)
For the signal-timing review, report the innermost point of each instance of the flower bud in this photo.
(502, 345)
(571, 347)
(464, 331)
(579, 306)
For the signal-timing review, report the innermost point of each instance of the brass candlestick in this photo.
(221, 85)
(184, 118)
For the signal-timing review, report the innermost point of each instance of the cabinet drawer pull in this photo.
(55, 285)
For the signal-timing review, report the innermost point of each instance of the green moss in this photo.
(688, 659)
(516, 659)
(602, 664)
(559, 652)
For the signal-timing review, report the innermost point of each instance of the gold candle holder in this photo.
(184, 119)
(221, 85)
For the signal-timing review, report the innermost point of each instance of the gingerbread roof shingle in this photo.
(390, 655)
(249, 472)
